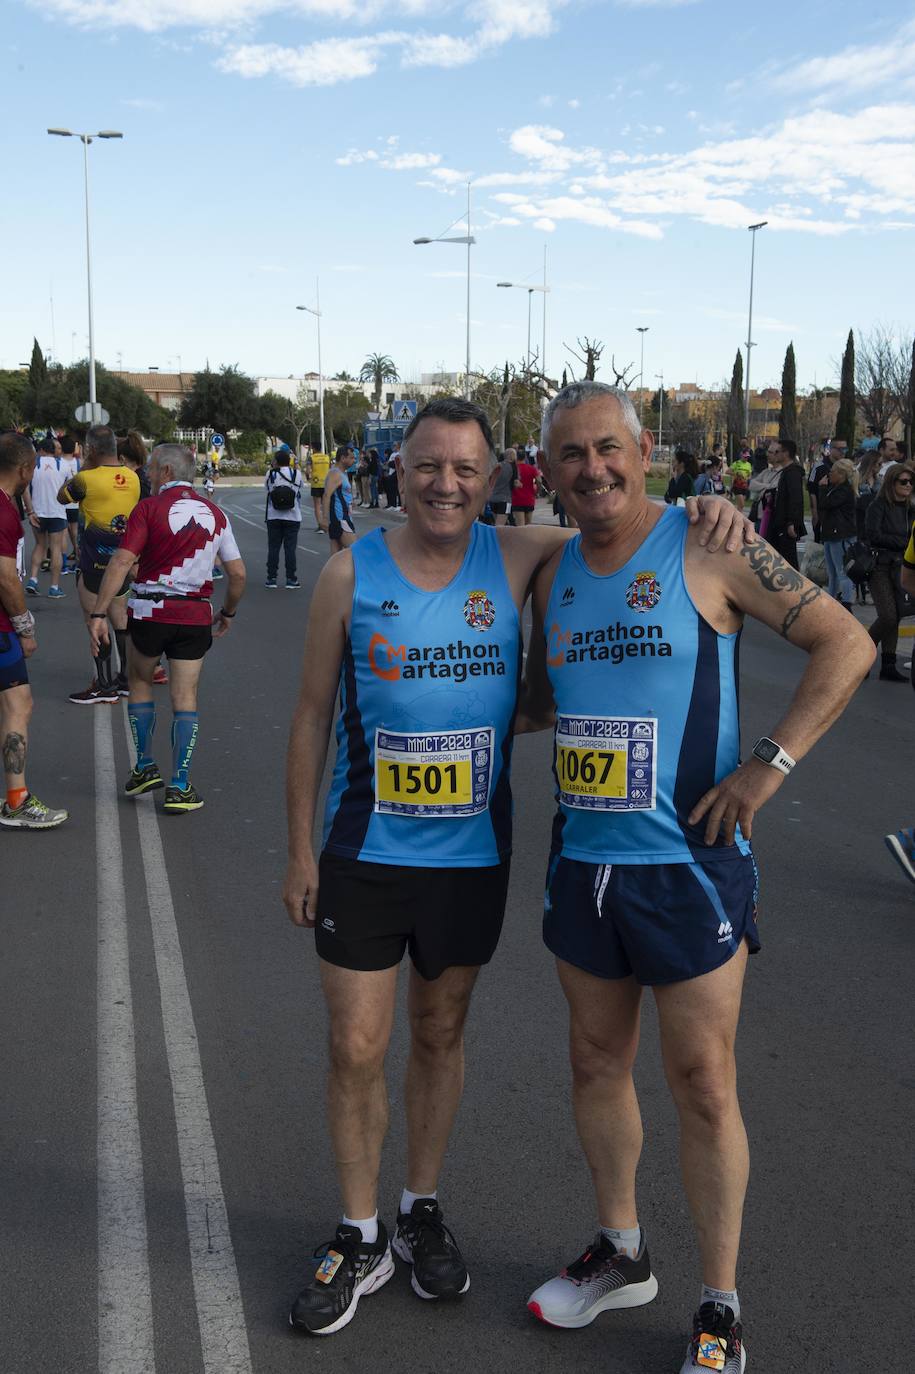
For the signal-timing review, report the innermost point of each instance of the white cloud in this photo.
(408, 162)
(438, 50)
(862, 67)
(545, 224)
(325, 63)
(574, 104)
(355, 156)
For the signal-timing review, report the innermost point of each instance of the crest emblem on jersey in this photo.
(644, 592)
(479, 612)
(118, 524)
(187, 512)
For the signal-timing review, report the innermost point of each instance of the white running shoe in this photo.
(599, 1280)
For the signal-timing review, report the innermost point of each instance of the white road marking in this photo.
(125, 1328)
(223, 1334)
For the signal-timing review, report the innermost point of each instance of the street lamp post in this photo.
(643, 330)
(753, 228)
(523, 286)
(317, 314)
(86, 139)
(469, 240)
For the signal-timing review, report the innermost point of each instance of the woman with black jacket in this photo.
(838, 527)
(887, 526)
(681, 485)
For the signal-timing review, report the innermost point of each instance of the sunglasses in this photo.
(903, 481)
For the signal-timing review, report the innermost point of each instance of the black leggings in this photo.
(885, 629)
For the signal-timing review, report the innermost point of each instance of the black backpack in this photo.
(282, 497)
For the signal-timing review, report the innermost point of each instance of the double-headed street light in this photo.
(469, 240)
(545, 291)
(317, 314)
(643, 330)
(753, 228)
(86, 139)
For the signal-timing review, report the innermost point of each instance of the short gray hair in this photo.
(102, 441)
(175, 456)
(575, 394)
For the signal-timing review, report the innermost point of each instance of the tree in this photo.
(620, 379)
(65, 388)
(13, 386)
(735, 408)
(223, 400)
(565, 379)
(378, 368)
(591, 349)
(344, 376)
(910, 408)
(787, 425)
(272, 411)
(845, 420)
(493, 391)
(38, 367)
(882, 367)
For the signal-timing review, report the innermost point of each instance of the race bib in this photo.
(607, 763)
(443, 774)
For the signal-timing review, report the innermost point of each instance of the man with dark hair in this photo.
(419, 630)
(20, 809)
(786, 518)
(338, 500)
(47, 517)
(176, 534)
(69, 448)
(107, 492)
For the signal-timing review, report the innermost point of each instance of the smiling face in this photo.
(445, 474)
(596, 465)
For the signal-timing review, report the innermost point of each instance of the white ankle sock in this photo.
(626, 1242)
(368, 1227)
(730, 1299)
(407, 1199)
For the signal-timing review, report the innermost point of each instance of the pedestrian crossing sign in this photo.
(404, 411)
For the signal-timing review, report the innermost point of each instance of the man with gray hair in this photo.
(177, 535)
(651, 881)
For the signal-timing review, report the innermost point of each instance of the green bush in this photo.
(250, 443)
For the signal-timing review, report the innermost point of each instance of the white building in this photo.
(288, 387)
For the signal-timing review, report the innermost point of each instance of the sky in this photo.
(271, 143)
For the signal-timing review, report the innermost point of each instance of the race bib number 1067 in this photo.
(607, 763)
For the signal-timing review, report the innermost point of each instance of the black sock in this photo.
(120, 638)
(103, 665)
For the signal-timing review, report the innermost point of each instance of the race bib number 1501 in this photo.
(607, 763)
(431, 775)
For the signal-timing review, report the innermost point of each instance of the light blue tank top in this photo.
(428, 691)
(341, 499)
(647, 706)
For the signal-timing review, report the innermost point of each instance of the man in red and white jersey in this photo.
(177, 535)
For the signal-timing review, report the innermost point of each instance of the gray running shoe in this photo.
(31, 814)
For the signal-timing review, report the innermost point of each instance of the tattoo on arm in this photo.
(778, 576)
(14, 754)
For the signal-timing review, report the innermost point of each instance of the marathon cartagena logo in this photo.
(611, 643)
(456, 662)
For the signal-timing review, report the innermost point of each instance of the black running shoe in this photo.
(717, 1342)
(121, 686)
(424, 1241)
(145, 779)
(599, 1280)
(348, 1269)
(179, 799)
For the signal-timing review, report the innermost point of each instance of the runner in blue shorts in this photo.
(651, 882)
(338, 499)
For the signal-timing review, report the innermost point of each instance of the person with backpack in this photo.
(283, 515)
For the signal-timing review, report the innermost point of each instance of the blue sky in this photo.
(271, 141)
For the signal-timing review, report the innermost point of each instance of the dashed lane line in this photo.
(125, 1327)
(223, 1334)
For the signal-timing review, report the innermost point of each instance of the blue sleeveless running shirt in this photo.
(646, 706)
(428, 691)
(341, 499)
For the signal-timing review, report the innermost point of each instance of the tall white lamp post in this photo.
(469, 240)
(643, 330)
(317, 314)
(753, 228)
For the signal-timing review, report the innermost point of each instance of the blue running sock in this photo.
(184, 737)
(142, 718)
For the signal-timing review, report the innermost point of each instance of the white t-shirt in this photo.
(284, 477)
(48, 478)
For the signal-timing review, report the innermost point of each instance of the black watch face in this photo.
(767, 750)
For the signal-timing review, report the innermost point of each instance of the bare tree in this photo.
(591, 349)
(493, 391)
(882, 368)
(621, 379)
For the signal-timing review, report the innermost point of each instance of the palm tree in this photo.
(378, 368)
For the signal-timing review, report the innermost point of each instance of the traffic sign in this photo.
(92, 413)
(218, 440)
(403, 410)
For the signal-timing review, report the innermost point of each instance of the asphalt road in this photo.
(165, 1170)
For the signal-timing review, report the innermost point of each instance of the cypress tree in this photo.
(845, 420)
(38, 368)
(735, 407)
(910, 417)
(787, 425)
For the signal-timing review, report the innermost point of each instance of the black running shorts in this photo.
(154, 638)
(92, 581)
(368, 914)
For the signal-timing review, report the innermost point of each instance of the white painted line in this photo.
(223, 1334)
(125, 1329)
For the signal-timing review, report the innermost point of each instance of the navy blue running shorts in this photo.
(661, 923)
(369, 914)
(13, 672)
